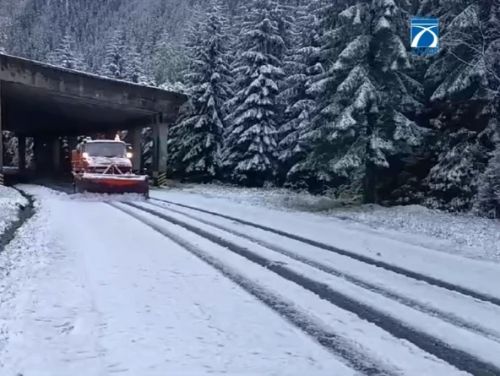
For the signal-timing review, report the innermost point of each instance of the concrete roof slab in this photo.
(39, 98)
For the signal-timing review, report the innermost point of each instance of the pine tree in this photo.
(320, 89)
(285, 13)
(65, 55)
(115, 61)
(2, 43)
(196, 139)
(364, 122)
(168, 60)
(302, 65)
(464, 86)
(147, 149)
(3, 34)
(134, 66)
(250, 155)
(487, 202)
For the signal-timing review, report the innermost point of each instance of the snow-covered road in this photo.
(157, 288)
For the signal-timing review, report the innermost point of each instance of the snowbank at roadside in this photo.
(277, 198)
(10, 199)
(466, 235)
(456, 233)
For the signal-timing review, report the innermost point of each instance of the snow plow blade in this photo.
(118, 184)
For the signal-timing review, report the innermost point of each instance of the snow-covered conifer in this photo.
(134, 66)
(115, 63)
(365, 122)
(488, 198)
(66, 55)
(250, 155)
(196, 139)
(169, 58)
(463, 82)
(302, 64)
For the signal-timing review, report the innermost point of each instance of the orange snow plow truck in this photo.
(104, 166)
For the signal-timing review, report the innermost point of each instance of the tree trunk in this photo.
(370, 185)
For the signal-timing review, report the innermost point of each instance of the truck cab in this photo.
(105, 166)
(99, 155)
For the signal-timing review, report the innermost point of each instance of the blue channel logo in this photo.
(425, 35)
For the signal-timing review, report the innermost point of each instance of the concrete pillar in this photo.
(160, 152)
(137, 149)
(21, 153)
(56, 154)
(44, 156)
(37, 147)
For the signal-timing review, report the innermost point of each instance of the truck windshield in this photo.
(106, 149)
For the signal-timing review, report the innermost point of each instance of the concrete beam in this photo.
(22, 123)
(56, 155)
(37, 155)
(160, 151)
(84, 86)
(137, 149)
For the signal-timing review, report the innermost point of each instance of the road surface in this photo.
(189, 285)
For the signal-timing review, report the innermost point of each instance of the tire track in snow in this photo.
(327, 338)
(458, 358)
(365, 259)
(409, 302)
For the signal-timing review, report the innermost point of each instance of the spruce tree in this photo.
(302, 64)
(115, 64)
(487, 202)
(134, 66)
(66, 56)
(320, 89)
(250, 155)
(168, 60)
(196, 139)
(364, 124)
(463, 86)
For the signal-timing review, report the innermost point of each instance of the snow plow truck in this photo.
(104, 166)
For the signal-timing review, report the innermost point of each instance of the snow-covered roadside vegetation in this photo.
(454, 233)
(10, 199)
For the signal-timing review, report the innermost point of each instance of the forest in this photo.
(318, 95)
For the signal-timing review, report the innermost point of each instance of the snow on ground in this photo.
(472, 274)
(87, 291)
(10, 199)
(462, 234)
(454, 305)
(456, 233)
(270, 197)
(396, 355)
